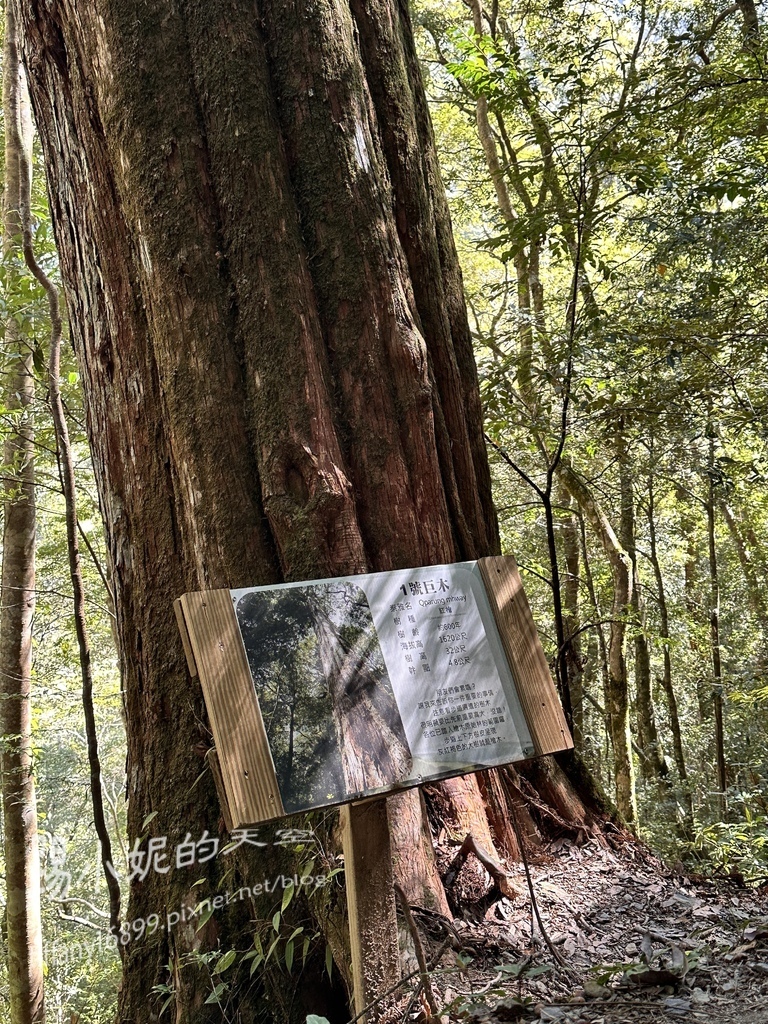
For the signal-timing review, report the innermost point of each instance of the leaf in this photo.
(214, 996)
(328, 960)
(226, 961)
(757, 931)
(287, 897)
(271, 949)
(204, 918)
(150, 817)
(594, 990)
(649, 976)
(677, 1007)
(276, 921)
(313, 1018)
(540, 969)
(289, 955)
(514, 970)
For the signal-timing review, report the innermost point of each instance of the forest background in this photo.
(605, 167)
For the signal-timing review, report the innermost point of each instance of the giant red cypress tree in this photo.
(267, 308)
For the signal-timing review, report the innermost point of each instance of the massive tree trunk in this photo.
(22, 861)
(267, 310)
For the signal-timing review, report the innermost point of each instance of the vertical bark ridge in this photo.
(307, 495)
(453, 286)
(385, 58)
(171, 212)
(361, 277)
(377, 353)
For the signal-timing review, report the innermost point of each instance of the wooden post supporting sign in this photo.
(370, 903)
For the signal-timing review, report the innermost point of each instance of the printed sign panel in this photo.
(379, 681)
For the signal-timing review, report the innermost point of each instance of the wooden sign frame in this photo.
(242, 763)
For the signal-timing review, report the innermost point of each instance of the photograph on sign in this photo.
(329, 711)
(379, 681)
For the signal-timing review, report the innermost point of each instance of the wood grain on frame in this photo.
(370, 899)
(238, 729)
(530, 670)
(185, 642)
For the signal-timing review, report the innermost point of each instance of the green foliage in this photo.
(740, 846)
(631, 144)
(81, 965)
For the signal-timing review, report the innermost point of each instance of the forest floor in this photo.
(631, 941)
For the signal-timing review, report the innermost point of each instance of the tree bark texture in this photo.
(267, 311)
(22, 860)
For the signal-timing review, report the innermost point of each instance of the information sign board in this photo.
(329, 691)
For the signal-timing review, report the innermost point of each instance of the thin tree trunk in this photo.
(714, 622)
(597, 630)
(522, 270)
(652, 763)
(592, 739)
(689, 525)
(666, 681)
(67, 474)
(569, 530)
(22, 861)
(617, 690)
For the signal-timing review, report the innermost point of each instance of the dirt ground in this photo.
(631, 941)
